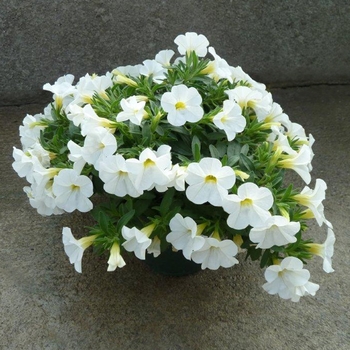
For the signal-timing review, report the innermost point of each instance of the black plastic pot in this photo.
(172, 263)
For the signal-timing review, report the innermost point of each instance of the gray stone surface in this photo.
(45, 304)
(281, 43)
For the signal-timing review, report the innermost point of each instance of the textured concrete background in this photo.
(294, 42)
(45, 304)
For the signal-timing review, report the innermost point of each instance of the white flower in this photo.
(249, 206)
(116, 177)
(24, 161)
(151, 68)
(76, 113)
(298, 161)
(277, 230)
(163, 57)
(209, 181)
(183, 235)
(289, 280)
(29, 132)
(115, 259)
(238, 74)
(192, 42)
(324, 250)
(75, 248)
(279, 140)
(274, 115)
(215, 253)
(90, 120)
(132, 110)
(42, 199)
(98, 144)
(218, 68)
(177, 178)
(129, 70)
(72, 191)
(151, 168)
(90, 85)
(313, 199)
(183, 104)
(154, 248)
(62, 90)
(247, 97)
(136, 241)
(230, 119)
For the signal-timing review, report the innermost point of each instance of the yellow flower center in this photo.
(180, 105)
(74, 187)
(247, 202)
(149, 162)
(210, 178)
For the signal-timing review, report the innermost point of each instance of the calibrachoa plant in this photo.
(189, 153)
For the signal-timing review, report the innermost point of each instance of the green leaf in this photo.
(146, 134)
(266, 257)
(103, 221)
(232, 160)
(125, 219)
(245, 149)
(166, 201)
(214, 152)
(234, 148)
(196, 148)
(246, 162)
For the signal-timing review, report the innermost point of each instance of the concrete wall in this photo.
(283, 43)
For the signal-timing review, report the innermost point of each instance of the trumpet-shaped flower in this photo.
(247, 97)
(324, 250)
(192, 42)
(72, 191)
(300, 162)
(98, 145)
(274, 115)
(277, 230)
(154, 248)
(250, 206)
(115, 259)
(218, 68)
(75, 248)
(24, 161)
(62, 90)
(29, 132)
(215, 253)
(239, 75)
(183, 104)
(163, 57)
(90, 85)
(289, 280)
(313, 199)
(230, 119)
(90, 120)
(117, 179)
(132, 110)
(77, 114)
(42, 199)
(184, 235)
(151, 68)
(129, 70)
(151, 168)
(209, 181)
(136, 241)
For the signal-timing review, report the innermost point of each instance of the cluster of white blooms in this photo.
(195, 129)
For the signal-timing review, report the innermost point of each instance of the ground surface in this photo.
(45, 304)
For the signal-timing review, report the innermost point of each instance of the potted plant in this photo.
(190, 156)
